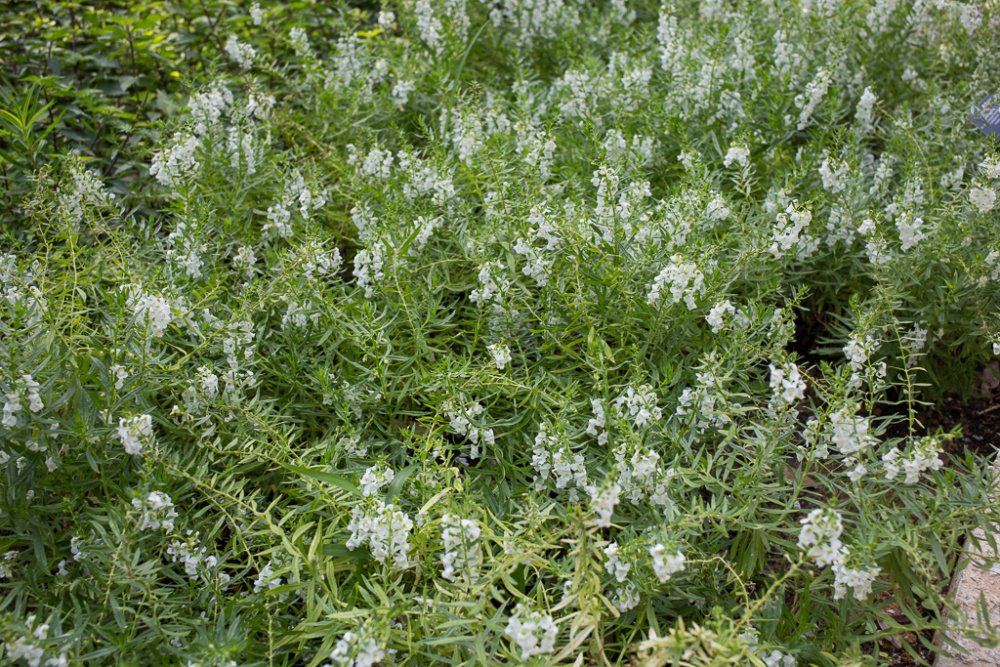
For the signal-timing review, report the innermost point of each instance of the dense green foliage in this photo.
(456, 332)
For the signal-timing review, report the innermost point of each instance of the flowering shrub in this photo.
(516, 331)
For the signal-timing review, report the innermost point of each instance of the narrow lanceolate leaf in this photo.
(326, 477)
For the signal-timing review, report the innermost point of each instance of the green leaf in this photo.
(396, 485)
(329, 478)
(341, 551)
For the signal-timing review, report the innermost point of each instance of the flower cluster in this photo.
(552, 456)
(266, 579)
(787, 231)
(25, 389)
(614, 565)
(859, 579)
(461, 423)
(494, 283)
(849, 432)
(639, 475)
(296, 197)
(820, 535)
(533, 632)
(242, 54)
(176, 163)
(136, 433)
(357, 649)
(155, 312)
(384, 529)
(31, 649)
(374, 479)
(706, 403)
(724, 310)
(922, 456)
(666, 564)
(501, 355)
(461, 546)
(598, 424)
(369, 267)
(157, 511)
(198, 564)
(787, 385)
(603, 500)
(682, 279)
(86, 189)
(639, 405)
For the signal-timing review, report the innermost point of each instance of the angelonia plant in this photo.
(516, 331)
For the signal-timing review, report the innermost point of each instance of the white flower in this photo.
(665, 564)
(266, 579)
(983, 199)
(738, 154)
(599, 421)
(820, 534)
(849, 433)
(683, 280)
(991, 168)
(385, 530)
(121, 374)
(615, 566)
(352, 444)
(155, 312)
(788, 227)
(549, 455)
(368, 268)
(778, 659)
(863, 115)
(833, 180)
(243, 54)
(626, 597)
(241, 145)
(256, 13)
(639, 405)
(357, 649)
(245, 260)
(603, 501)
(374, 479)
(501, 355)
(494, 283)
(401, 92)
(300, 43)
(923, 455)
(428, 25)
(717, 316)
(533, 633)
(176, 161)
(787, 384)
(208, 106)
(909, 230)
(24, 388)
(135, 433)
(86, 188)
(461, 423)
(157, 511)
(814, 94)
(461, 544)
